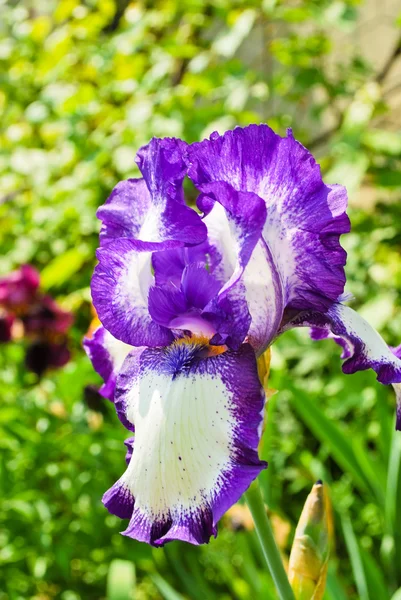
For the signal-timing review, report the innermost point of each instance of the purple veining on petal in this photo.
(107, 355)
(120, 287)
(229, 314)
(162, 166)
(169, 265)
(198, 306)
(198, 285)
(246, 215)
(152, 209)
(305, 217)
(363, 347)
(129, 444)
(259, 289)
(119, 501)
(182, 492)
(125, 210)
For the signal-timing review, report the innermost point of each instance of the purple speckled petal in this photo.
(261, 290)
(129, 444)
(363, 347)
(120, 286)
(246, 215)
(125, 210)
(197, 428)
(152, 209)
(107, 355)
(305, 217)
(162, 166)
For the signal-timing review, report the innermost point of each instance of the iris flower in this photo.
(188, 302)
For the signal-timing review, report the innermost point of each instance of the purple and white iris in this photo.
(188, 302)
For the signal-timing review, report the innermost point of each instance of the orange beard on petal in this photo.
(202, 341)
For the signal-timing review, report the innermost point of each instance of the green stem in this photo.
(271, 553)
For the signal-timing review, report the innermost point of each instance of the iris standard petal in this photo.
(197, 427)
(363, 347)
(305, 217)
(262, 287)
(163, 168)
(107, 355)
(124, 212)
(152, 209)
(120, 287)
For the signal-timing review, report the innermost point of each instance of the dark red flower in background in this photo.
(26, 312)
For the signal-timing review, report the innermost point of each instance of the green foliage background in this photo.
(83, 85)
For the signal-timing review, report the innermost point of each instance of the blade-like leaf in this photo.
(165, 588)
(347, 454)
(355, 558)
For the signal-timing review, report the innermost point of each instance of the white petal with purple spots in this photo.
(197, 427)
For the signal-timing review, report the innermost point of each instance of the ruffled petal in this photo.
(305, 217)
(124, 212)
(261, 283)
(152, 209)
(246, 215)
(163, 168)
(363, 347)
(120, 287)
(197, 428)
(107, 355)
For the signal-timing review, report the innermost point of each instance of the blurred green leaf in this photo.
(121, 580)
(165, 588)
(355, 558)
(61, 268)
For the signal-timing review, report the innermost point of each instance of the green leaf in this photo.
(347, 454)
(61, 268)
(386, 142)
(165, 588)
(374, 576)
(355, 558)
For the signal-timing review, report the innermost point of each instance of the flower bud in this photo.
(307, 569)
